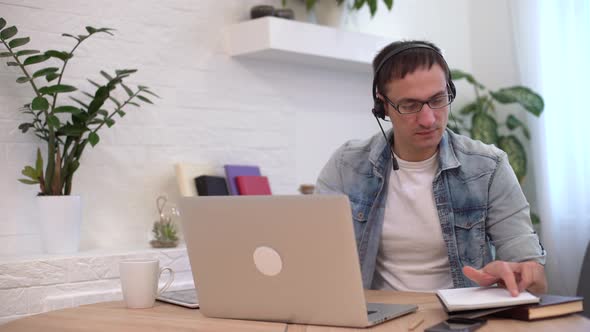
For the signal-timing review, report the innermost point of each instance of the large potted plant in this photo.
(66, 126)
(481, 120)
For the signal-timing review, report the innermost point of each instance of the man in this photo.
(453, 213)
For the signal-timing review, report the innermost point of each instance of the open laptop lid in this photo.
(275, 258)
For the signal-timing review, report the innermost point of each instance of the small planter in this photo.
(60, 218)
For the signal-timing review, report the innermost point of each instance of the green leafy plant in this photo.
(357, 4)
(66, 127)
(479, 119)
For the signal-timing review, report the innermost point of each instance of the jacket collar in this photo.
(381, 158)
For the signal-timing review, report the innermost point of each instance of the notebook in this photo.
(254, 257)
(231, 171)
(208, 185)
(474, 298)
(549, 306)
(253, 185)
(186, 174)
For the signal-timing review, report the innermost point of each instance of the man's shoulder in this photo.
(466, 147)
(359, 149)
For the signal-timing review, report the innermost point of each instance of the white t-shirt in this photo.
(412, 253)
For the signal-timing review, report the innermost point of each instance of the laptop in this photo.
(290, 259)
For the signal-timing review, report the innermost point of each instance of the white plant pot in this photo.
(60, 218)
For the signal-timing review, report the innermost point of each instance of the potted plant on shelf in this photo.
(479, 119)
(332, 13)
(66, 126)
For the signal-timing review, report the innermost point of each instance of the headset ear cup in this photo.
(379, 109)
(452, 89)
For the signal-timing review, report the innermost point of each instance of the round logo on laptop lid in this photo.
(267, 261)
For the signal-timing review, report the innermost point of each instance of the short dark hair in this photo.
(406, 62)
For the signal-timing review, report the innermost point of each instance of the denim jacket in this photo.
(481, 208)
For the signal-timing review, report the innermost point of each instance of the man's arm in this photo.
(519, 255)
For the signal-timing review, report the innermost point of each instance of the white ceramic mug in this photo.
(139, 281)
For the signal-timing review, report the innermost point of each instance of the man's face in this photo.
(417, 135)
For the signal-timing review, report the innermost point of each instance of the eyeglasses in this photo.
(415, 106)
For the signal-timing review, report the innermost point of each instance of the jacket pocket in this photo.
(360, 210)
(470, 234)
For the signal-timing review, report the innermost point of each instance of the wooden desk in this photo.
(114, 316)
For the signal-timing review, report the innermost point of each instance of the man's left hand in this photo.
(516, 277)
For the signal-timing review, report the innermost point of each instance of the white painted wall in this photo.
(285, 118)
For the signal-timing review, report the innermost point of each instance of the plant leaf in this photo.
(535, 220)
(125, 72)
(12, 63)
(513, 122)
(121, 113)
(389, 4)
(39, 104)
(18, 42)
(134, 104)
(27, 181)
(8, 33)
(358, 4)
(63, 56)
(45, 71)
(24, 127)
(516, 155)
(73, 130)
(126, 88)
(58, 88)
(142, 98)
(94, 83)
(5, 55)
(457, 74)
(53, 121)
(26, 52)
(29, 172)
(93, 138)
(151, 93)
(107, 76)
(51, 77)
(109, 122)
(528, 99)
(22, 79)
(67, 109)
(2, 23)
(79, 102)
(484, 128)
(115, 101)
(309, 4)
(71, 36)
(372, 7)
(35, 59)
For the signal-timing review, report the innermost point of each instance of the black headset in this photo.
(379, 107)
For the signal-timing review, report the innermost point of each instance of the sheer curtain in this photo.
(552, 44)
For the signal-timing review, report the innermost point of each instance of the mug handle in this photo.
(170, 279)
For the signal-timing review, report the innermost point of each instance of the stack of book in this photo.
(476, 302)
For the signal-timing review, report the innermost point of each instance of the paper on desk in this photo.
(472, 298)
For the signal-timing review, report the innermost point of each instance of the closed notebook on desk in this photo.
(253, 185)
(475, 298)
(550, 306)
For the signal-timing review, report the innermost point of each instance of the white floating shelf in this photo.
(282, 40)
